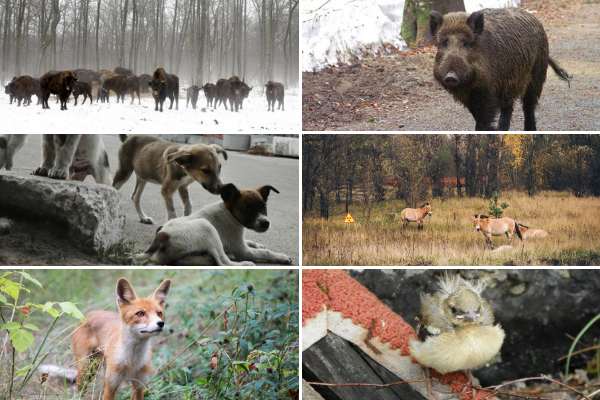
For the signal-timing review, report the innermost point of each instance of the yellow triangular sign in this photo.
(349, 218)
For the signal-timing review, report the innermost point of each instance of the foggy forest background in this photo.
(198, 40)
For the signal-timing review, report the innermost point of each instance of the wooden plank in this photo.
(334, 360)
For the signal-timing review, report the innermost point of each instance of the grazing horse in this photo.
(530, 232)
(416, 215)
(496, 227)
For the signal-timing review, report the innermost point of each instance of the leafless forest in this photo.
(199, 40)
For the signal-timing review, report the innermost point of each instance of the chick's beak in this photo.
(470, 316)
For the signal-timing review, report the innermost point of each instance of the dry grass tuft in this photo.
(449, 238)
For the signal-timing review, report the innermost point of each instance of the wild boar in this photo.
(490, 58)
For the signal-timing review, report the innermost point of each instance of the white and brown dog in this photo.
(174, 166)
(63, 156)
(207, 236)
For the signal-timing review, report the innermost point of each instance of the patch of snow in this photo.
(334, 31)
(474, 5)
(340, 29)
(113, 117)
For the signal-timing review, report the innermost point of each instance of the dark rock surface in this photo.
(536, 308)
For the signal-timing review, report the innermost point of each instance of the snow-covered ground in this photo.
(113, 117)
(334, 31)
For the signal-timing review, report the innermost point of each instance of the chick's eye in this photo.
(454, 311)
(140, 313)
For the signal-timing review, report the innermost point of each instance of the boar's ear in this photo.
(435, 21)
(475, 22)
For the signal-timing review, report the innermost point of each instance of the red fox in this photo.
(122, 340)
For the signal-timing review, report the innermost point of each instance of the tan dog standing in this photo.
(173, 166)
(416, 215)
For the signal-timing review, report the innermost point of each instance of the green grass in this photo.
(449, 238)
(262, 330)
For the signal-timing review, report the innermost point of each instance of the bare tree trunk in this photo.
(134, 18)
(5, 40)
(19, 37)
(97, 37)
(173, 36)
(121, 61)
(203, 15)
(293, 5)
(48, 38)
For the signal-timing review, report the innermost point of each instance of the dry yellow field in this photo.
(449, 238)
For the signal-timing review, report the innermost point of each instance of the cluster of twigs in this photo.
(492, 390)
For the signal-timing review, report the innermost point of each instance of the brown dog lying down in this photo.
(208, 235)
(174, 166)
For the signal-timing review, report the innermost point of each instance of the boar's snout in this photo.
(451, 79)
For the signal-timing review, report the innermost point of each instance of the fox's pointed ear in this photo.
(162, 292)
(125, 292)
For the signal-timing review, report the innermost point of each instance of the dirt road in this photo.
(398, 91)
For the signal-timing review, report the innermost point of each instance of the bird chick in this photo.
(456, 327)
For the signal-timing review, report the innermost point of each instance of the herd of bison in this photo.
(122, 81)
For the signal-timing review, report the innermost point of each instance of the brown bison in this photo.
(245, 93)
(87, 75)
(23, 87)
(144, 79)
(82, 88)
(123, 84)
(209, 92)
(8, 91)
(219, 92)
(229, 89)
(60, 84)
(102, 95)
(192, 94)
(275, 91)
(164, 85)
(123, 71)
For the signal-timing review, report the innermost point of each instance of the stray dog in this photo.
(9, 146)
(74, 157)
(204, 237)
(171, 165)
(121, 340)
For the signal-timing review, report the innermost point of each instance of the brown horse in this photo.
(530, 232)
(416, 215)
(496, 227)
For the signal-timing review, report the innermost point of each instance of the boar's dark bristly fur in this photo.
(491, 58)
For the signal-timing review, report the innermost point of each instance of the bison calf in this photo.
(275, 91)
(82, 88)
(102, 95)
(192, 94)
(488, 59)
(210, 92)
